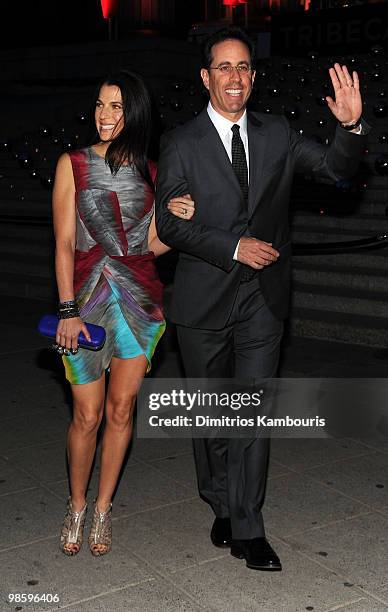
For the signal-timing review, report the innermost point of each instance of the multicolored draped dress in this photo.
(115, 280)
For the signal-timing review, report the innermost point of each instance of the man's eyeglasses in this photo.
(228, 68)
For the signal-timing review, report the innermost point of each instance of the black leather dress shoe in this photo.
(258, 554)
(221, 533)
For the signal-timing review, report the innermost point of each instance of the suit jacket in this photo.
(193, 160)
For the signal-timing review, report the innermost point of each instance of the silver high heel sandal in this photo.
(101, 531)
(72, 529)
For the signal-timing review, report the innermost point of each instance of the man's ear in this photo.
(205, 77)
(253, 76)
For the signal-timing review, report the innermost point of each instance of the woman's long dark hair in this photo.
(131, 145)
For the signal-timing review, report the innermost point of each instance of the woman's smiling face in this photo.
(108, 115)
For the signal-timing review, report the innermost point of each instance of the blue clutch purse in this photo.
(48, 324)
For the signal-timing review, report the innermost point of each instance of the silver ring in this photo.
(58, 348)
(74, 351)
(184, 211)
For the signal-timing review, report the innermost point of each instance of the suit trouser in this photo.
(232, 472)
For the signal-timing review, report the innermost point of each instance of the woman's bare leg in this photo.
(126, 376)
(88, 407)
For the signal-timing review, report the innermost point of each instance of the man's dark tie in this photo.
(239, 160)
(239, 163)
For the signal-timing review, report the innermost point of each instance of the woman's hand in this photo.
(68, 331)
(182, 207)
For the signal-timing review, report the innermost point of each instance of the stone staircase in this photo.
(341, 297)
(27, 255)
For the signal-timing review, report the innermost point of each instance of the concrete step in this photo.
(374, 151)
(361, 278)
(373, 181)
(373, 208)
(374, 194)
(372, 224)
(26, 285)
(37, 265)
(20, 181)
(374, 143)
(39, 209)
(363, 330)
(25, 225)
(340, 299)
(304, 196)
(28, 193)
(27, 255)
(372, 261)
(13, 171)
(15, 193)
(31, 245)
(311, 235)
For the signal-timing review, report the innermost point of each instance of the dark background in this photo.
(44, 22)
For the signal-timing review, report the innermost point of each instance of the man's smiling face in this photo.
(229, 92)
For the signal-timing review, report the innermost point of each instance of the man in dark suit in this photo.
(231, 287)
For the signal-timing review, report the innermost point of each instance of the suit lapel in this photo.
(212, 148)
(257, 145)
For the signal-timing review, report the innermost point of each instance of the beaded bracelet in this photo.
(68, 310)
(71, 314)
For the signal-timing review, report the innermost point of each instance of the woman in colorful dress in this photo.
(106, 242)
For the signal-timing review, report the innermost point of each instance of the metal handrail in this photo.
(298, 248)
(26, 220)
(348, 246)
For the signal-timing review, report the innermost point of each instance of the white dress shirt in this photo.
(224, 129)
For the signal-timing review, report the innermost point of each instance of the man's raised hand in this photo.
(347, 105)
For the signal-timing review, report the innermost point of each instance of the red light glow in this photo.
(109, 8)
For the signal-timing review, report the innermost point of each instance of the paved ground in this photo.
(326, 507)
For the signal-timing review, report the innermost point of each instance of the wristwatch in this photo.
(351, 126)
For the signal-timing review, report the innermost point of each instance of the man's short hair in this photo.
(231, 33)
